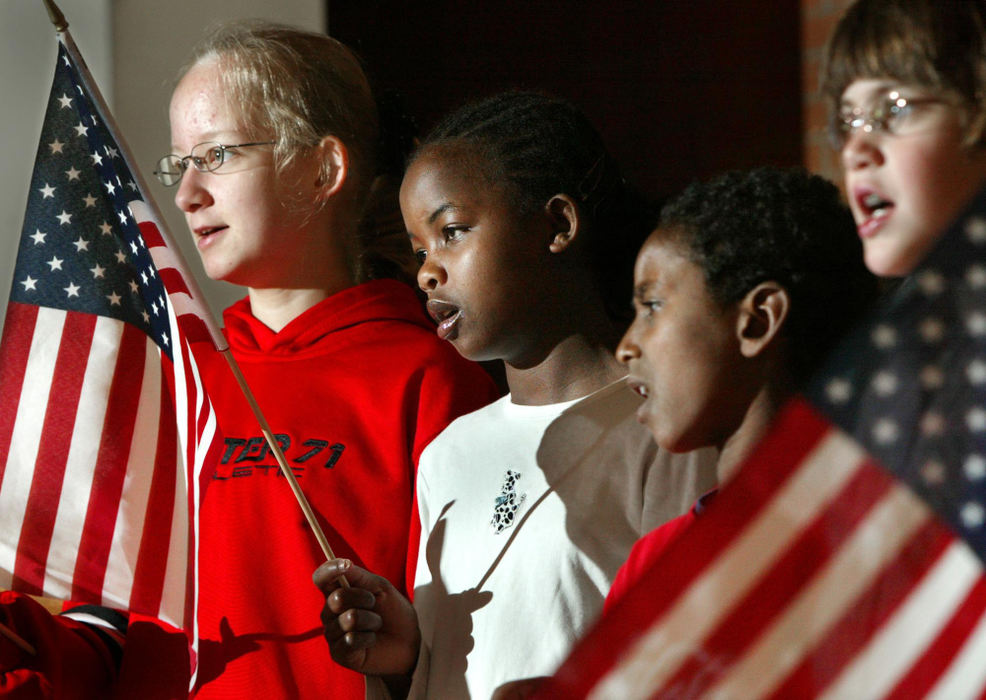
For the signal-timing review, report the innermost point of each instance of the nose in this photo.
(192, 193)
(628, 349)
(861, 149)
(431, 274)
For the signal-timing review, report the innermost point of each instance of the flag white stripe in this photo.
(966, 676)
(912, 628)
(655, 658)
(82, 457)
(824, 600)
(132, 514)
(25, 438)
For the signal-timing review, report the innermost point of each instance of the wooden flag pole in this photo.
(282, 462)
(219, 341)
(16, 639)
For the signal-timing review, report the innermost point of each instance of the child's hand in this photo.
(370, 627)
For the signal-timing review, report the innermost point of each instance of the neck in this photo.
(754, 427)
(570, 367)
(276, 308)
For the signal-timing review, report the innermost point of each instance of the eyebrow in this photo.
(447, 206)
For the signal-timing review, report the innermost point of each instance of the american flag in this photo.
(846, 558)
(104, 424)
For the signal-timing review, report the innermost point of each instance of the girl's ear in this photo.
(762, 312)
(332, 157)
(566, 221)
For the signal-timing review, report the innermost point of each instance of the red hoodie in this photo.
(354, 388)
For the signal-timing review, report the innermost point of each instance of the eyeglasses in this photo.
(893, 114)
(205, 157)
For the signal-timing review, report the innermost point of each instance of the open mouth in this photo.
(875, 205)
(446, 315)
(638, 387)
(208, 230)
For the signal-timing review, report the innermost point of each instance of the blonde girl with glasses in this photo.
(274, 133)
(905, 82)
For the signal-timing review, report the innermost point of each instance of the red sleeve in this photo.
(448, 391)
(644, 553)
(71, 660)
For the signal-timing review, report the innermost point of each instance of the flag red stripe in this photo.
(149, 232)
(56, 436)
(946, 646)
(155, 542)
(114, 448)
(806, 555)
(862, 620)
(15, 348)
(800, 431)
(173, 281)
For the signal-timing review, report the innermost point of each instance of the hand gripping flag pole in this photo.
(194, 296)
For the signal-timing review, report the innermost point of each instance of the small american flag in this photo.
(104, 425)
(845, 559)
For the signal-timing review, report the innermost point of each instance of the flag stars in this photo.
(89, 200)
(123, 216)
(134, 248)
(134, 287)
(81, 129)
(146, 316)
(112, 152)
(885, 431)
(38, 237)
(931, 330)
(933, 473)
(976, 372)
(72, 290)
(154, 307)
(973, 515)
(975, 230)
(110, 187)
(81, 244)
(931, 282)
(121, 257)
(838, 390)
(975, 276)
(47, 192)
(132, 185)
(98, 272)
(96, 158)
(55, 263)
(974, 467)
(73, 174)
(56, 147)
(30, 284)
(975, 323)
(931, 377)
(143, 277)
(975, 420)
(114, 299)
(884, 337)
(64, 218)
(106, 229)
(65, 101)
(932, 424)
(885, 383)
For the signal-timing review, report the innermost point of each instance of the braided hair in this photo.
(540, 146)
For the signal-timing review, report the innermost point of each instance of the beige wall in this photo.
(134, 48)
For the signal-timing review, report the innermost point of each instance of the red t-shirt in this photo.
(649, 547)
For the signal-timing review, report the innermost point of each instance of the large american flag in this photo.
(846, 558)
(104, 425)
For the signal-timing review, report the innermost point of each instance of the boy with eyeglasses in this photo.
(905, 83)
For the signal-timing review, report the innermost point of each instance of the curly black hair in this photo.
(785, 225)
(540, 146)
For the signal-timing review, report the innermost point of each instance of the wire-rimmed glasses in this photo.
(206, 157)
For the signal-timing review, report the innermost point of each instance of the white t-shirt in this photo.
(527, 512)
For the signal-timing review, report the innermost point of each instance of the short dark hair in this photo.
(781, 225)
(937, 44)
(539, 146)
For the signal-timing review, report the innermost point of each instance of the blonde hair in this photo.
(296, 87)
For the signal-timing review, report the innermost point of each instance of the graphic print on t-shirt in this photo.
(505, 505)
(252, 456)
